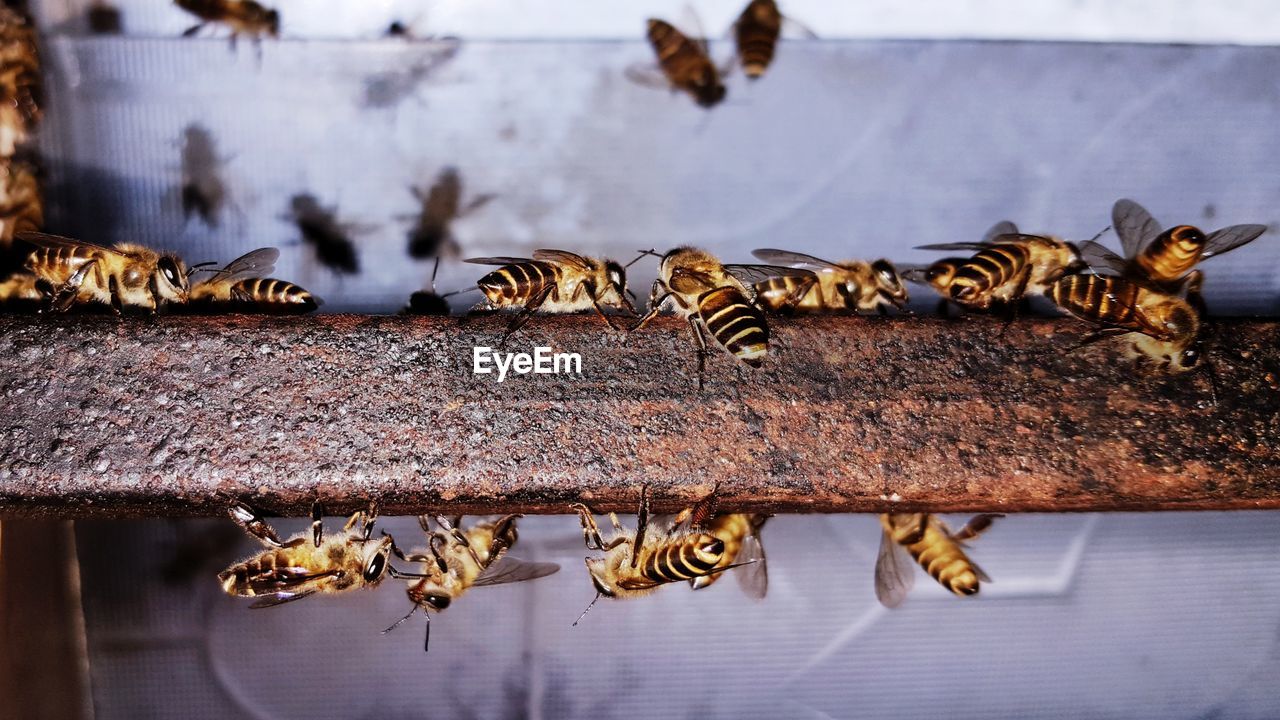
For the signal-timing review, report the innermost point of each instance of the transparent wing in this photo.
(508, 570)
(752, 274)
(1101, 260)
(253, 264)
(497, 260)
(1004, 227)
(1229, 238)
(955, 246)
(982, 575)
(1134, 225)
(895, 572)
(563, 257)
(753, 578)
(39, 239)
(280, 598)
(793, 259)
(280, 578)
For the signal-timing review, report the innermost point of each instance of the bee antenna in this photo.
(1213, 380)
(203, 267)
(426, 635)
(643, 253)
(589, 606)
(1101, 232)
(397, 623)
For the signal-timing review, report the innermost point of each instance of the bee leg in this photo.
(696, 328)
(458, 537)
(370, 519)
(317, 523)
(1095, 336)
(527, 312)
(590, 289)
(504, 536)
(191, 31)
(642, 525)
(976, 526)
(253, 523)
(435, 551)
(701, 511)
(590, 531)
(61, 298)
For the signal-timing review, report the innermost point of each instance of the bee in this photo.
(1165, 260)
(20, 292)
(743, 550)
(302, 565)
(104, 18)
(756, 31)
(554, 281)
(457, 560)
(849, 286)
(203, 191)
(320, 227)
(125, 276)
(685, 64)
(926, 539)
(21, 208)
(1007, 267)
(431, 236)
(240, 287)
(244, 17)
(1161, 328)
(19, 78)
(717, 304)
(638, 563)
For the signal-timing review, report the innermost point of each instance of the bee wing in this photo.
(1004, 227)
(497, 260)
(253, 264)
(1099, 257)
(39, 239)
(1134, 225)
(793, 259)
(895, 572)
(955, 246)
(563, 257)
(982, 575)
(1229, 238)
(751, 274)
(280, 578)
(753, 578)
(279, 598)
(508, 570)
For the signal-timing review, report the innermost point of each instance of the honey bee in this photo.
(743, 550)
(125, 276)
(926, 539)
(457, 560)
(1165, 260)
(1007, 267)
(21, 208)
(685, 63)
(714, 300)
(19, 72)
(1160, 328)
(203, 192)
(431, 236)
(19, 292)
(638, 563)
(849, 286)
(320, 228)
(756, 31)
(240, 287)
(104, 18)
(554, 281)
(243, 17)
(307, 565)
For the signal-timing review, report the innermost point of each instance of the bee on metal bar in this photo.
(639, 563)
(432, 236)
(308, 563)
(321, 229)
(926, 539)
(125, 276)
(1163, 260)
(717, 302)
(553, 281)
(19, 292)
(243, 17)
(1160, 328)
(849, 286)
(21, 208)
(456, 560)
(240, 287)
(1007, 267)
(685, 65)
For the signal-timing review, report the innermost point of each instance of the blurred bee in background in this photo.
(203, 191)
(243, 17)
(1007, 267)
(432, 236)
(19, 79)
(308, 563)
(104, 18)
(240, 287)
(717, 302)
(756, 32)
(456, 560)
(21, 208)
(126, 276)
(1161, 329)
(1164, 261)
(320, 228)
(554, 281)
(926, 539)
(849, 286)
(684, 63)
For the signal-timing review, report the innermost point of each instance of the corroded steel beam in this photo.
(177, 416)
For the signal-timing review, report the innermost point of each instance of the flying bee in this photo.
(21, 208)
(240, 287)
(457, 560)
(1165, 260)
(243, 17)
(1007, 267)
(1161, 328)
(203, 191)
(685, 64)
(125, 276)
(431, 236)
(756, 31)
(849, 286)
(307, 563)
(717, 304)
(638, 563)
(554, 281)
(927, 540)
(320, 228)
(20, 293)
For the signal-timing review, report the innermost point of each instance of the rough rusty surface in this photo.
(177, 416)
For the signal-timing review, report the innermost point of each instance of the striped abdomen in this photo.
(1098, 298)
(757, 33)
(262, 575)
(737, 325)
(682, 559)
(57, 263)
(942, 558)
(989, 270)
(519, 283)
(272, 295)
(1172, 253)
(779, 293)
(685, 63)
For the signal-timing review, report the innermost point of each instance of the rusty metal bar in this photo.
(176, 416)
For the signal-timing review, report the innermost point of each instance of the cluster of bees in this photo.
(696, 546)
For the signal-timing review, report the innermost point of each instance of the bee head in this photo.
(708, 89)
(599, 574)
(890, 282)
(428, 596)
(171, 279)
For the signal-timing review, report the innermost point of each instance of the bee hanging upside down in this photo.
(71, 272)
(307, 563)
(553, 281)
(923, 538)
(456, 560)
(850, 286)
(240, 287)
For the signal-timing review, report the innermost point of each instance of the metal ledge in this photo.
(175, 416)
